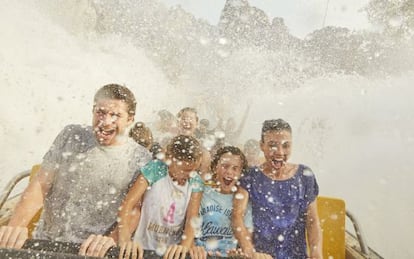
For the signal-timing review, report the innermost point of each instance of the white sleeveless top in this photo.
(164, 207)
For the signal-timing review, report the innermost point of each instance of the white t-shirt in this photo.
(89, 184)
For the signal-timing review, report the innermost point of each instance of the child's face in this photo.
(188, 123)
(276, 147)
(180, 171)
(228, 171)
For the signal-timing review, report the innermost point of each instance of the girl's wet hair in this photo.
(275, 125)
(184, 148)
(226, 150)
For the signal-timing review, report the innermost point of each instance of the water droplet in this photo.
(196, 222)
(239, 196)
(212, 244)
(112, 190)
(307, 172)
(160, 250)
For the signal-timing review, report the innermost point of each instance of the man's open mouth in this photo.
(104, 134)
(107, 132)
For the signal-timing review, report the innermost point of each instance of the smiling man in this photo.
(83, 177)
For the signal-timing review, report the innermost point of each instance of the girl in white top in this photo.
(171, 193)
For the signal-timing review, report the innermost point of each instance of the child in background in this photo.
(187, 125)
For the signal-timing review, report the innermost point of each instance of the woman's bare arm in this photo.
(314, 232)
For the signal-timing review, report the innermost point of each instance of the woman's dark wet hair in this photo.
(184, 148)
(275, 125)
(232, 150)
(117, 92)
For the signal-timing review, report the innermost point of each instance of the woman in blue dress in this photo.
(283, 197)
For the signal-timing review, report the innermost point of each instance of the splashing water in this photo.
(354, 131)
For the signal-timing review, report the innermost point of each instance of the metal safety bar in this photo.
(359, 235)
(70, 250)
(10, 186)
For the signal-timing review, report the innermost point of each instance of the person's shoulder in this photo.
(305, 170)
(136, 146)
(195, 177)
(78, 129)
(76, 134)
(139, 151)
(154, 171)
(196, 182)
(306, 174)
(252, 172)
(157, 164)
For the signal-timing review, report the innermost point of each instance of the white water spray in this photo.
(355, 133)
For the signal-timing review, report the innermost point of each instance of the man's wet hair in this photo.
(187, 109)
(117, 92)
(184, 148)
(275, 125)
(232, 150)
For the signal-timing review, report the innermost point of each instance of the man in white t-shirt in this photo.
(83, 177)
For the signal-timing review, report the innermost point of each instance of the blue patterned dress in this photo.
(279, 211)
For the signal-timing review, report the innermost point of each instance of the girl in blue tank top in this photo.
(217, 204)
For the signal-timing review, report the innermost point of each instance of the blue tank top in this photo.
(279, 211)
(216, 233)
